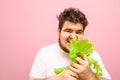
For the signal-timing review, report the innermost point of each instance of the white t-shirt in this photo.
(52, 56)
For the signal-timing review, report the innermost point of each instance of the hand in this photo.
(66, 75)
(82, 67)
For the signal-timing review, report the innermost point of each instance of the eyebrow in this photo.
(71, 29)
(80, 30)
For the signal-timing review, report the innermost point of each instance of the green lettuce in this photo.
(81, 46)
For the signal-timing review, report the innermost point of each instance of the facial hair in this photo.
(62, 47)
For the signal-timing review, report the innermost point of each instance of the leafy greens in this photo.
(81, 46)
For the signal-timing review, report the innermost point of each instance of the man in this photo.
(72, 23)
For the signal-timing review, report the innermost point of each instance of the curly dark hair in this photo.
(73, 15)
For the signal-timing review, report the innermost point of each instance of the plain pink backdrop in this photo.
(27, 25)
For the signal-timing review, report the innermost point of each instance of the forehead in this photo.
(71, 25)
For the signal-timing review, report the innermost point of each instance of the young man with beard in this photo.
(72, 23)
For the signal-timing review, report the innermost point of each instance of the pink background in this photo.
(27, 25)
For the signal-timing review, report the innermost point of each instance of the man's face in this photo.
(69, 31)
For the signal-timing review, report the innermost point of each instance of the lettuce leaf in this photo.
(81, 46)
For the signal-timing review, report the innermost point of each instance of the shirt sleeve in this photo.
(97, 57)
(39, 67)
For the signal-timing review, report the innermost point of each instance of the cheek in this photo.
(64, 35)
(80, 36)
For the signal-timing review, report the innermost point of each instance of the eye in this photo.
(68, 30)
(79, 32)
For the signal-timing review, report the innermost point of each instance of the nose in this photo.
(73, 35)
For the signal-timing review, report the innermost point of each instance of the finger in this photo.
(73, 69)
(73, 74)
(83, 56)
(80, 61)
(75, 65)
(72, 78)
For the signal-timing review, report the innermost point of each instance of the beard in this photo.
(63, 47)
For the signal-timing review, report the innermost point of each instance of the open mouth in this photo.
(68, 40)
